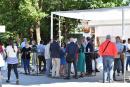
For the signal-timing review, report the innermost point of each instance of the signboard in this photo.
(2, 28)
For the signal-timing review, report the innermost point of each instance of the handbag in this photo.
(69, 58)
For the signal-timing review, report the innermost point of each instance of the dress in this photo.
(81, 60)
(63, 60)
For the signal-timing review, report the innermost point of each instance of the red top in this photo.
(111, 49)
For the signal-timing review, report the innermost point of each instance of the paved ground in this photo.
(43, 81)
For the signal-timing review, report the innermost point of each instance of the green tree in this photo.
(21, 15)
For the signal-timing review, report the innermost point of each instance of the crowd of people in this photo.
(114, 55)
(55, 60)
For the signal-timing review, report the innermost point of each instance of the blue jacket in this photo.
(72, 49)
(55, 50)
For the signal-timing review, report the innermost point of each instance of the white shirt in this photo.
(11, 52)
(2, 63)
(40, 49)
(47, 51)
(23, 44)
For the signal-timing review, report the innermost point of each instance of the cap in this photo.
(108, 37)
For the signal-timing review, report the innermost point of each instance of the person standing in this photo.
(123, 55)
(71, 51)
(2, 62)
(89, 55)
(26, 57)
(12, 60)
(34, 56)
(55, 55)
(63, 60)
(108, 51)
(117, 61)
(23, 44)
(128, 54)
(41, 58)
(81, 60)
(48, 58)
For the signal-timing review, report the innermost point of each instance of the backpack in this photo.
(69, 58)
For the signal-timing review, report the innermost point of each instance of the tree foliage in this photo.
(20, 15)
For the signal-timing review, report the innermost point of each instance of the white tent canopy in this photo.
(119, 15)
(96, 14)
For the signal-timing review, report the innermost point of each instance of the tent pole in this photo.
(123, 25)
(59, 31)
(51, 26)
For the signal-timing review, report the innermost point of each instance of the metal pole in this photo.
(123, 25)
(51, 26)
(59, 32)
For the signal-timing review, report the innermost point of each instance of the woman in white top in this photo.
(12, 60)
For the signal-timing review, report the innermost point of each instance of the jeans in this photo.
(108, 65)
(117, 65)
(14, 66)
(42, 59)
(48, 66)
(127, 62)
(26, 63)
(69, 68)
(55, 67)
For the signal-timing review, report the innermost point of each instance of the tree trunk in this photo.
(38, 35)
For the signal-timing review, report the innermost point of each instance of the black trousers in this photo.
(88, 61)
(75, 68)
(14, 66)
(42, 59)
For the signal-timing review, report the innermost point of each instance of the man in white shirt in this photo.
(48, 58)
(23, 44)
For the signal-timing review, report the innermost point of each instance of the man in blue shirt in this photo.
(40, 51)
(72, 49)
(117, 62)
